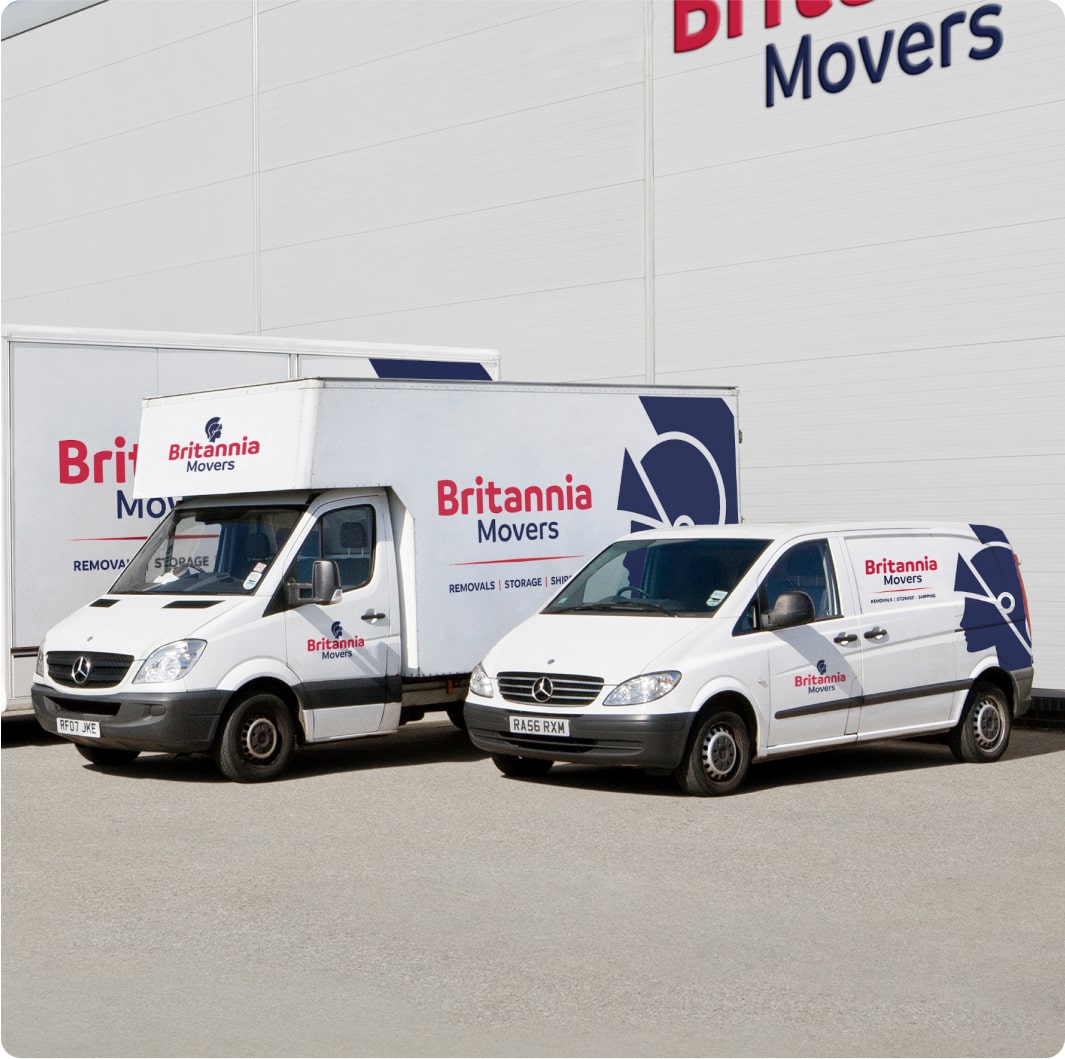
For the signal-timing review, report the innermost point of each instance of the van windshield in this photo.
(209, 551)
(673, 577)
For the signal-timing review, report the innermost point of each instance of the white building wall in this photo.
(879, 270)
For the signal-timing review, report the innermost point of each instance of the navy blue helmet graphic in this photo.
(213, 428)
(688, 477)
(337, 630)
(994, 614)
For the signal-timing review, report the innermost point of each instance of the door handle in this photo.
(846, 638)
(373, 615)
(876, 633)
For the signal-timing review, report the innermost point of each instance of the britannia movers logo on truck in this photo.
(216, 454)
(913, 50)
(686, 477)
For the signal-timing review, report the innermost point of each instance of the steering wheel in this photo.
(634, 591)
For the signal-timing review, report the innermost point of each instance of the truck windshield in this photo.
(674, 577)
(209, 551)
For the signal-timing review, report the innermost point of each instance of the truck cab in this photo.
(244, 625)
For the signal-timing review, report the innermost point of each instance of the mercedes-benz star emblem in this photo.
(80, 670)
(543, 689)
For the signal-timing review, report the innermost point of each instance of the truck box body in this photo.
(498, 491)
(347, 548)
(71, 407)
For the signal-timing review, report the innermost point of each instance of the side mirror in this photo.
(324, 588)
(791, 608)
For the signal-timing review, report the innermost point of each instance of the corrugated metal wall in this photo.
(879, 269)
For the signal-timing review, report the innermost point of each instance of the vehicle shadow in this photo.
(869, 759)
(423, 743)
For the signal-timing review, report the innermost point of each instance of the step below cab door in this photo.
(346, 653)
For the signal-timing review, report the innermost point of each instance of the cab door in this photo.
(815, 669)
(346, 654)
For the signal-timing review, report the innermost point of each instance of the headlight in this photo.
(171, 662)
(480, 682)
(647, 688)
(40, 667)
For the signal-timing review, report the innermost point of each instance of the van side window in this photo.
(347, 537)
(805, 568)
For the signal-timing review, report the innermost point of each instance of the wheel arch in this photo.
(265, 685)
(728, 699)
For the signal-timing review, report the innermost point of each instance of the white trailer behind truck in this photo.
(348, 550)
(71, 401)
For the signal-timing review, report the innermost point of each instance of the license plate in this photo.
(76, 726)
(539, 725)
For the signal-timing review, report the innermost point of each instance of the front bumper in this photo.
(648, 740)
(176, 723)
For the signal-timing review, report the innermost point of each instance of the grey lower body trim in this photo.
(856, 701)
(176, 724)
(651, 741)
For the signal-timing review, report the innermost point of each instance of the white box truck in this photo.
(347, 551)
(71, 401)
(700, 650)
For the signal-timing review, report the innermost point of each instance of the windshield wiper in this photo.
(608, 605)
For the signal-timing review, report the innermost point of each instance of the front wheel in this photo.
(106, 755)
(718, 758)
(522, 767)
(256, 741)
(983, 733)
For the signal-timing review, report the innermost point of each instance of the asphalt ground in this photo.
(399, 897)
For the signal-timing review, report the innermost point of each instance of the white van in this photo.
(700, 650)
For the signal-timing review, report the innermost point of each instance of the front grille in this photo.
(542, 689)
(104, 670)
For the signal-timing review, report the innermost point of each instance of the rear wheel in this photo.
(718, 758)
(106, 755)
(256, 740)
(983, 733)
(455, 716)
(522, 767)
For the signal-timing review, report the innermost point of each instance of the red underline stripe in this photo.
(536, 559)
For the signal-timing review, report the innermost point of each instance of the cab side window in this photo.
(347, 537)
(808, 568)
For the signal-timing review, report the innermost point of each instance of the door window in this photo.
(806, 567)
(346, 536)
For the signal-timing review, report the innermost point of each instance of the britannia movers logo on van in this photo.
(214, 455)
(995, 614)
(914, 50)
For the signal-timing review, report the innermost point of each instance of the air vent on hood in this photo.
(191, 604)
(103, 603)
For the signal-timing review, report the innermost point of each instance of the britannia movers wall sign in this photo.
(803, 70)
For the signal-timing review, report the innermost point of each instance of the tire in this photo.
(718, 758)
(256, 740)
(455, 716)
(983, 733)
(106, 755)
(522, 767)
